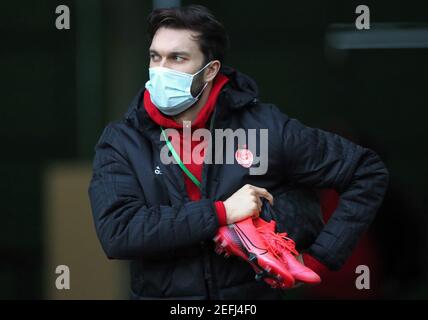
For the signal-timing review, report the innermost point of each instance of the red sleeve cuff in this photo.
(315, 265)
(221, 212)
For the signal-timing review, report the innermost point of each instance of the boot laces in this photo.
(278, 242)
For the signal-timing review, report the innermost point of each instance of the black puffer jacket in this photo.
(142, 211)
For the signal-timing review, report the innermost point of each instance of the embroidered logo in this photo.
(157, 170)
(244, 157)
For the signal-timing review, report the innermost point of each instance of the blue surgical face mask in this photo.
(170, 90)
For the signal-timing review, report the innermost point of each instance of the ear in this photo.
(212, 70)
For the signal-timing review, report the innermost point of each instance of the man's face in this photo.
(176, 49)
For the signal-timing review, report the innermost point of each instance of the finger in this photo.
(259, 204)
(263, 193)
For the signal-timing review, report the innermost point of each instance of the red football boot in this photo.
(242, 239)
(284, 249)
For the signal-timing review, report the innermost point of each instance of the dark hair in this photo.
(212, 38)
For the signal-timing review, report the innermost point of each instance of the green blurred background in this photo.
(61, 87)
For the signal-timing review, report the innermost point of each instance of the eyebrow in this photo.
(173, 53)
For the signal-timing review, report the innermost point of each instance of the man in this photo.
(164, 216)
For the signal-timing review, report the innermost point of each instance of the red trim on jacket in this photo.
(221, 213)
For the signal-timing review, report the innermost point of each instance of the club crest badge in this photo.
(244, 157)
